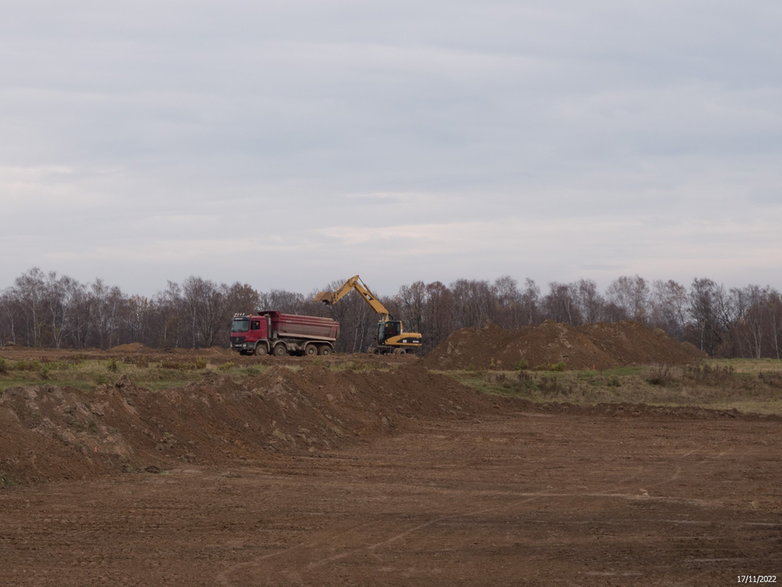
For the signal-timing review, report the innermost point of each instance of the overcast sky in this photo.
(290, 144)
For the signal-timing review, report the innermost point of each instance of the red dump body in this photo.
(281, 334)
(303, 326)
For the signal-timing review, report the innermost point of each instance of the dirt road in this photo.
(507, 498)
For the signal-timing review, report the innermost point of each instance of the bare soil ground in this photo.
(398, 476)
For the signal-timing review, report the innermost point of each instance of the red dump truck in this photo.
(279, 334)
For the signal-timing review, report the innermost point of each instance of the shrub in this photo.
(704, 373)
(552, 385)
(558, 366)
(26, 366)
(770, 378)
(660, 375)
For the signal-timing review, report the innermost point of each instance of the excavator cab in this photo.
(387, 329)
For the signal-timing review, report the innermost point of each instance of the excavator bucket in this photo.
(325, 296)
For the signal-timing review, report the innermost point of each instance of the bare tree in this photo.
(46, 309)
(203, 301)
(282, 301)
(508, 308)
(668, 307)
(106, 305)
(631, 294)
(705, 331)
(438, 314)
(29, 292)
(530, 303)
(472, 302)
(170, 310)
(561, 303)
(591, 305)
(411, 300)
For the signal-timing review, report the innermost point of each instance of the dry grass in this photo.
(748, 386)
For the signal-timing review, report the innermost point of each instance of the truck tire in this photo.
(260, 349)
(324, 350)
(280, 350)
(310, 350)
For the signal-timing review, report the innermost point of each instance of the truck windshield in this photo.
(240, 325)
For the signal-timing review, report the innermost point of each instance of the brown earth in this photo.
(50, 432)
(592, 346)
(369, 476)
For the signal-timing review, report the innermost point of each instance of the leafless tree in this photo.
(561, 303)
(591, 305)
(668, 307)
(438, 314)
(631, 294)
(473, 300)
(46, 309)
(508, 308)
(531, 304)
(704, 328)
(411, 300)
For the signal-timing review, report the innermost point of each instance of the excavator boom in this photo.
(328, 297)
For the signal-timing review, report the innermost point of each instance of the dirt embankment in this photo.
(49, 432)
(593, 346)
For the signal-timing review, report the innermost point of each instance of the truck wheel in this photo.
(310, 350)
(261, 349)
(280, 350)
(324, 350)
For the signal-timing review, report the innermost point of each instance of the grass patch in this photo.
(709, 384)
(89, 373)
(750, 366)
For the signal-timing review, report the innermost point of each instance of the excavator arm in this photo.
(328, 297)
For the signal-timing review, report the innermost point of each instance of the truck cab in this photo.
(247, 331)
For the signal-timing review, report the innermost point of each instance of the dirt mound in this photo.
(49, 432)
(593, 346)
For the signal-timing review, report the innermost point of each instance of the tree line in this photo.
(44, 309)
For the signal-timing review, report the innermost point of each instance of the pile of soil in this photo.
(49, 432)
(593, 346)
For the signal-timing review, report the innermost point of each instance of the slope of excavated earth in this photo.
(376, 471)
(49, 432)
(592, 346)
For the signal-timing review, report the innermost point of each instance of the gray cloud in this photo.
(149, 141)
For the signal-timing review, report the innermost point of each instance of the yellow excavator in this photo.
(391, 334)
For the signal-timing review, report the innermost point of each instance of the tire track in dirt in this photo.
(507, 499)
(332, 547)
(312, 548)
